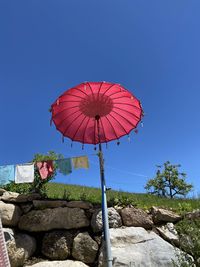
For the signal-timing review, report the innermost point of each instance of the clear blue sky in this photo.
(150, 47)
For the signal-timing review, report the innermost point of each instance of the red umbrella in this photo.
(75, 112)
(95, 113)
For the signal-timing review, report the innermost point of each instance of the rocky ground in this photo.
(62, 233)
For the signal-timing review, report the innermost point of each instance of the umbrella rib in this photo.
(64, 101)
(123, 90)
(108, 89)
(91, 90)
(79, 90)
(70, 125)
(119, 124)
(112, 127)
(67, 92)
(125, 96)
(78, 128)
(67, 117)
(58, 113)
(100, 88)
(124, 118)
(114, 93)
(74, 95)
(128, 112)
(127, 104)
(86, 129)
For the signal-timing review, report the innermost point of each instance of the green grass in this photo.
(144, 201)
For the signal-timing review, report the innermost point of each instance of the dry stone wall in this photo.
(57, 232)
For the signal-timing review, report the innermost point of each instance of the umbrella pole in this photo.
(104, 206)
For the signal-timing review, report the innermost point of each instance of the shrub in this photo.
(189, 232)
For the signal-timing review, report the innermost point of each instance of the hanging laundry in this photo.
(45, 168)
(80, 162)
(7, 174)
(24, 173)
(64, 166)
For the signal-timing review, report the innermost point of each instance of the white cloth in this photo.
(24, 173)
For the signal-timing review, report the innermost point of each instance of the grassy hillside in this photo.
(144, 201)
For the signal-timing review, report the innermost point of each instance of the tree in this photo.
(168, 182)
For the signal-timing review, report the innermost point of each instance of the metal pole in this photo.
(106, 233)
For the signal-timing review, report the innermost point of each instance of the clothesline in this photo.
(122, 171)
(46, 160)
(25, 173)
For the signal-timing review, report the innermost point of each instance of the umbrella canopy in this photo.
(75, 113)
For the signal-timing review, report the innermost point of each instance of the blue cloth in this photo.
(64, 166)
(7, 174)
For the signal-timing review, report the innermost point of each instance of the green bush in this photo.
(189, 232)
(19, 188)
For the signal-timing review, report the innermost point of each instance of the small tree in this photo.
(39, 185)
(168, 182)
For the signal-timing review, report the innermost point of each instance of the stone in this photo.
(26, 207)
(20, 249)
(163, 215)
(136, 217)
(10, 214)
(134, 246)
(49, 219)
(67, 263)
(46, 204)
(169, 233)
(84, 248)
(19, 198)
(2, 191)
(56, 245)
(113, 217)
(80, 204)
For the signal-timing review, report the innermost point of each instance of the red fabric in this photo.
(45, 168)
(73, 113)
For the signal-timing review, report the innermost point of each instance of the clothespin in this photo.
(118, 143)
(82, 146)
(106, 145)
(72, 144)
(58, 101)
(63, 138)
(142, 124)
